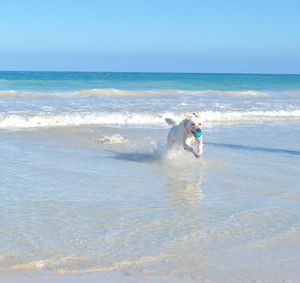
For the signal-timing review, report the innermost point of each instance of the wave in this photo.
(24, 94)
(146, 93)
(114, 118)
(125, 93)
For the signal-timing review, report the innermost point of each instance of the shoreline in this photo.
(96, 277)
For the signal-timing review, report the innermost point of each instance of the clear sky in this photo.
(260, 36)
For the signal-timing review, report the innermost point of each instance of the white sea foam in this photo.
(114, 118)
(114, 139)
(227, 92)
(250, 116)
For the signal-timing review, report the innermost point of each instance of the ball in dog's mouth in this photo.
(197, 134)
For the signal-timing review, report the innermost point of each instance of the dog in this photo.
(186, 134)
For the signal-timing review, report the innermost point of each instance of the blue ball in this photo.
(197, 135)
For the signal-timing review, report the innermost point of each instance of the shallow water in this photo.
(86, 183)
(70, 204)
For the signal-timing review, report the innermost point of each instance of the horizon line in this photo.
(150, 72)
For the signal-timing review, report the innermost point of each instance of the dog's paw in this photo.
(197, 155)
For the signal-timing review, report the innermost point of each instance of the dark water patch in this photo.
(135, 156)
(255, 148)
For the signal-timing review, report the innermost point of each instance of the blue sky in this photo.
(151, 35)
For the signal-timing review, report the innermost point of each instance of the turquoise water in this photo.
(32, 99)
(72, 81)
(87, 184)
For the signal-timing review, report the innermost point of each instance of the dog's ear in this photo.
(196, 114)
(186, 115)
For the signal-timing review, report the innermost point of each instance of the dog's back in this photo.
(175, 135)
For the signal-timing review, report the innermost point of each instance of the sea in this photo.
(87, 183)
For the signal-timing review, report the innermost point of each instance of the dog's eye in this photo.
(193, 124)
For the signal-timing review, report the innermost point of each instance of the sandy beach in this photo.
(149, 141)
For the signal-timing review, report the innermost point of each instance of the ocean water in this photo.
(87, 185)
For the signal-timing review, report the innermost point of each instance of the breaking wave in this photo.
(125, 93)
(24, 94)
(122, 92)
(114, 118)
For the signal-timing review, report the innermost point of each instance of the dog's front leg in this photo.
(189, 148)
(200, 146)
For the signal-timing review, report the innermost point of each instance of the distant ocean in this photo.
(86, 183)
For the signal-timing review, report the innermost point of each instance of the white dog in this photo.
(186, 134)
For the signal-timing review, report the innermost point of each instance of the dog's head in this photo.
(193, 123)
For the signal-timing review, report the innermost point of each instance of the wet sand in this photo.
(90, 278)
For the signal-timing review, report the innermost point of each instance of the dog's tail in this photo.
(170, 121)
